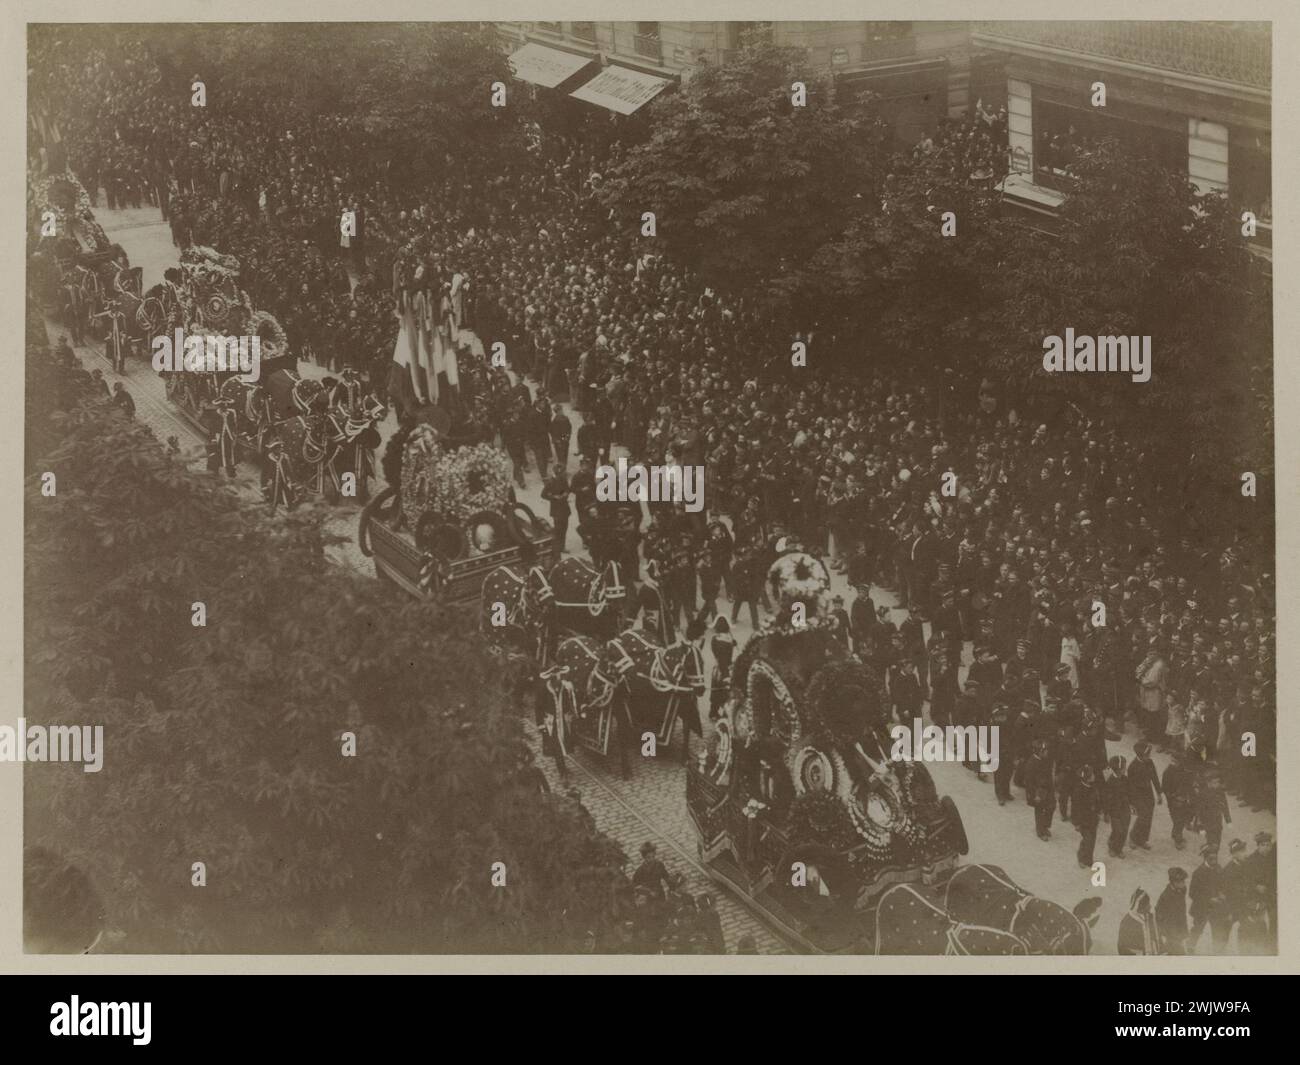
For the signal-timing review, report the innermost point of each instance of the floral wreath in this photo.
(472, 479)
(799, 577)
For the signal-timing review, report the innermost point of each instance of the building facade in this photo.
(1195, 95)
(922, 71)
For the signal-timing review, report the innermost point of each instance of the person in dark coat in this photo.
(556, 493)
(862, 619)
(123, 399)
(1171, 912)
(651, 874)
(514, 439)
(1115, 802)
(1144, 793)
(943, 684)
(1238, 889)
(561, 433)
(1007, 756)
(1178, 787)
(905, 692)
(1039, 783)
(1209, 903)
(723, 646)
(1085, 812)
(1263, 871)
(1212, 810)
(986, 669)
(1068, 763)
(968, 712)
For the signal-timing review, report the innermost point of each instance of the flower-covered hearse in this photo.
(800, 810)
(451, 521)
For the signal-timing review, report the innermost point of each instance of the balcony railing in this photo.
(649, 46)
(1237, 52)
(584, 31)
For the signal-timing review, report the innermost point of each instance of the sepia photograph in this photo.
(701, 488)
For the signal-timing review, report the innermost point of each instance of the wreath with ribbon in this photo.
(471, 480)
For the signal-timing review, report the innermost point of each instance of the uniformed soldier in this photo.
(1178, 788)
(1171, 912)
(1039, 783)
(1209, 903)
(1115, 801)
(1144, 793)
(1085, 812)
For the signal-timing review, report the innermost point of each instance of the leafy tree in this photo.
(917, 272)
(744, 186)
(223, 742)
(1141, 253)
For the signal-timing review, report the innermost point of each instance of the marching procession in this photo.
(486, 337)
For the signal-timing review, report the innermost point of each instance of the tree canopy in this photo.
(223, 742)
(745, 185)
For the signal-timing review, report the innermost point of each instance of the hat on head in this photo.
(1177, 874)
(1236, 846)
(1263, 837)
(1208, 850)
(1140, 748)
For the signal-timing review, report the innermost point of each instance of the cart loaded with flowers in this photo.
(800, 809)
(451, 521)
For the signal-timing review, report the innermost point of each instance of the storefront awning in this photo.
(620, 89)
(545, 66)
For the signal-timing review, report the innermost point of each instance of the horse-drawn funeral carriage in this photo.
(314, 435)
(799, 808)
(452, 519)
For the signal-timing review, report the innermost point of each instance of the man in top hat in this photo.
(1171, 912)
(1144, 793)
(1209, 903)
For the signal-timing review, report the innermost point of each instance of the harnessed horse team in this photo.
(612, 684)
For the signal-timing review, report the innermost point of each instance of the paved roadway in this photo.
(651, 806)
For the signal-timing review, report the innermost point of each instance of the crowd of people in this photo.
(1055, 547)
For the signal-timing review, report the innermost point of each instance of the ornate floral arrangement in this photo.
(820, 816)
(454, 484)
(798, 577)
(472, 479)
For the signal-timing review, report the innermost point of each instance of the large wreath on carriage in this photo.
(455, 500)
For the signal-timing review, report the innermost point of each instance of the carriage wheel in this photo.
(151, 317)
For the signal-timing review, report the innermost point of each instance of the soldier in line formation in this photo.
(1240, 895)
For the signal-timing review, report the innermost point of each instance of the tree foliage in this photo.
(744, 185)
(223, 742)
